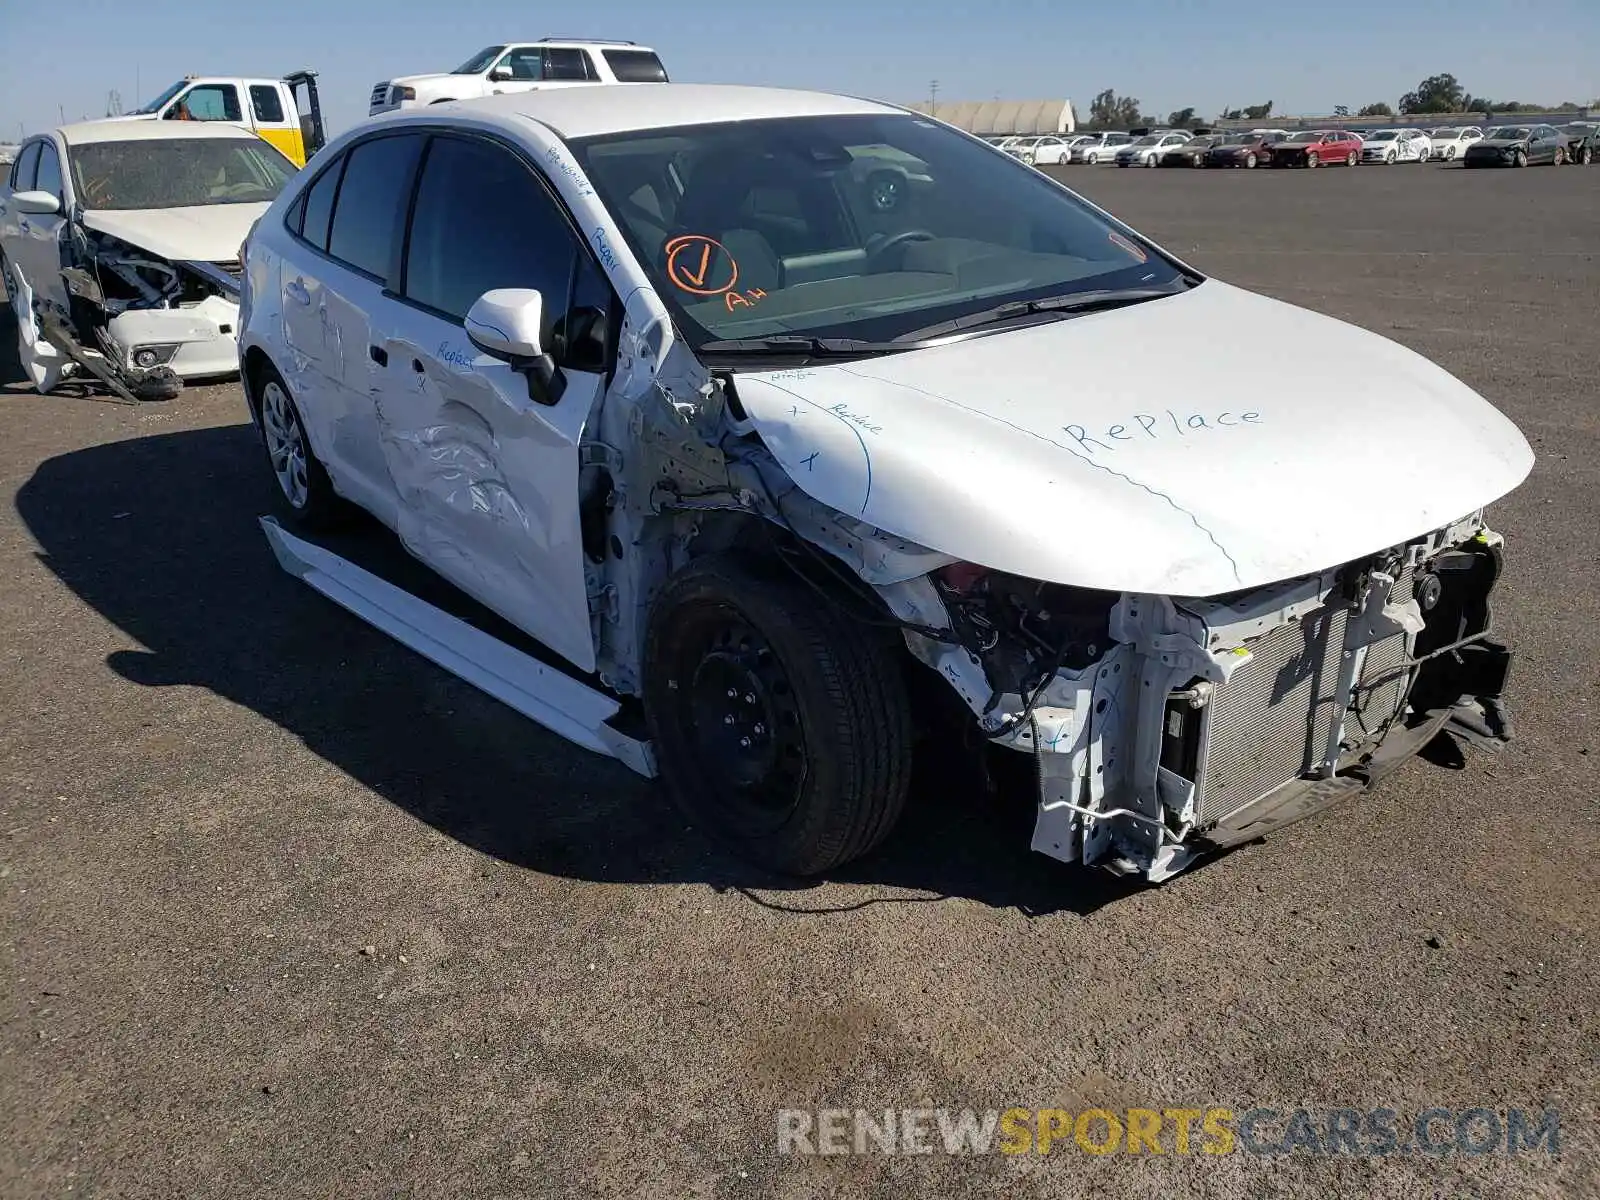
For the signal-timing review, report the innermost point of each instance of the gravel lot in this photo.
(289, 912)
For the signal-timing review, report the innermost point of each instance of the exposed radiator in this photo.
(1270, 722)
(380, 95)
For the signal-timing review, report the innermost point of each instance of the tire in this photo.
(1091, 159)
(1425, 155)
(1450, 154)
(1519, 159)
(1312, 162)
(1250, 161)
(304, 492)
(807, 769)
(1351, 159)
(1559, 159)
(1388, 158)
(1150, 161)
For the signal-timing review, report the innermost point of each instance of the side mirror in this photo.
(506, 323)
(499, 74)
(42, 204)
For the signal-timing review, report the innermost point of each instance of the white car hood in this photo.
(1187, 446)
(208, 233)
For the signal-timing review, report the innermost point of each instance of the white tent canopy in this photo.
(990, 117)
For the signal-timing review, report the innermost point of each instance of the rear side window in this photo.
(312, 212)
(514, 234)
(372, 196)
(635, 66)
(266, 104)
(27, 162)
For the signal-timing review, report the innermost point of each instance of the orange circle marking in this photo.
(695, 264)
(1117, 239)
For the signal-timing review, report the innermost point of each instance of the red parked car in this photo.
(1317, 148)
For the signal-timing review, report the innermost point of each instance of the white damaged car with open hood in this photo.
(746, 404)
(119, 249)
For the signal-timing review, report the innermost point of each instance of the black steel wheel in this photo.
(781, 724)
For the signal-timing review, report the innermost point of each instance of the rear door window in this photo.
(266, 104)
(371, 201)
(311, 214)
(565, 62)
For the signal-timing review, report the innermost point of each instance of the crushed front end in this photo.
(1167, 728)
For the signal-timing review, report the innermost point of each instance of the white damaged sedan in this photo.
(119, 244)
(747, 405)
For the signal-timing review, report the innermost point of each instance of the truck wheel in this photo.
(305, 493)
(781, 725)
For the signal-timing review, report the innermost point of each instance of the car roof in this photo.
(85, 132)
(589, 110)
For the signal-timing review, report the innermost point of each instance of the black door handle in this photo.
(378, 355)
(416, 365)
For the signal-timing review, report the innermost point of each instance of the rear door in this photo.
(487, 477)
(272, 115)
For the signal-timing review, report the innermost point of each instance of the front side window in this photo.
(179, 172)
(367, 213)
(483, 220)
(861, 226)
(48, 178)
(207, 102)
(22, 175)
(266, 104)
(525, 64)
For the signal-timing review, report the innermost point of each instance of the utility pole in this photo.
(933, 98)
(62, 109)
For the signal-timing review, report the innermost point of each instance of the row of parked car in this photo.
(1505, 145)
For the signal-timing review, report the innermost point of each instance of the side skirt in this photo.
(560, 703)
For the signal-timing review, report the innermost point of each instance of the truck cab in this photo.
(522, 67)
(284, 112)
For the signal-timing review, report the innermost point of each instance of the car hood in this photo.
(208, 233)
(434, 77)
(1072, 453)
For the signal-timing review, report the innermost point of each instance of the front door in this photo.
(37, 249)
(486, 477)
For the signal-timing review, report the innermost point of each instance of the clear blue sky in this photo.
(1168, 53)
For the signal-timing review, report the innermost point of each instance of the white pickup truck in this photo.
(523, 67)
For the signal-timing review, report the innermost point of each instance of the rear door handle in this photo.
(378, 355)
(296, 291)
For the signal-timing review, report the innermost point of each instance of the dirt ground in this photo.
(290, 912)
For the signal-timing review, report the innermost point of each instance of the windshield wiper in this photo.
(791, 343)
(1073, 302)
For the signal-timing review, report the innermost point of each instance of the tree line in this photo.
(1440, 93)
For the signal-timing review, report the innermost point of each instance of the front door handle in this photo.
(296, 291)
(378, 355)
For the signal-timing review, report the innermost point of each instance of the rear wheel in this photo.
(1560, 157)
(305, 492)
(781, 725)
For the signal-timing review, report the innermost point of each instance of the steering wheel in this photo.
(875, 253)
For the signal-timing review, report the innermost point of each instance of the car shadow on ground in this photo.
(160, 535)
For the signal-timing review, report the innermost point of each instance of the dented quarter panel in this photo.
(1117, 473)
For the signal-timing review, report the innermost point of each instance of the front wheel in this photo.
(1091, 159)
(1351, 159)
(1519, 159)
(1250, 161)
(1312, 162)
(781, 724)
(1560, 158)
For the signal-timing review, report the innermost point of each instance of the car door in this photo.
(214, 100)
(520, 69)
(486, 476)
(12, 222)
(329, 298)
(38, 245)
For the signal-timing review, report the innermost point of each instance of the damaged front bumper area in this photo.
(141, 324)
(1170, 728)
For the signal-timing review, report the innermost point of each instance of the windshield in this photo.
(1149, 139)
(178, 172)
(160, 101)
(479, 62)
(1446, 133)
(1580, 127)
(1513, 133)
(1302, 138)
(860, 226)
(1381, 135)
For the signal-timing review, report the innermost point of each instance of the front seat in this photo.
(712, 206)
